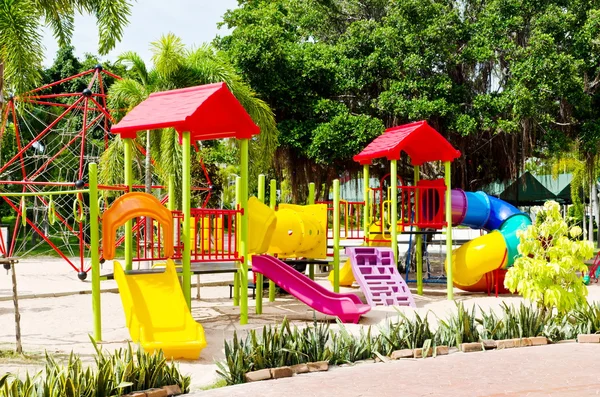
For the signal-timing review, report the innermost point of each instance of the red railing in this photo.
(351, 218)
(213, 238)
(418, 206)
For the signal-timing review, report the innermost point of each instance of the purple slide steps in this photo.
(376, 273)
(347, 307)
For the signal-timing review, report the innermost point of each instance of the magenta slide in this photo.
(347, 307)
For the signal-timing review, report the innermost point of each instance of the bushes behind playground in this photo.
(285, 344)
(114, 374)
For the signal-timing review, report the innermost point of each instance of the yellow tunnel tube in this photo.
(474, 259)
(292, 231)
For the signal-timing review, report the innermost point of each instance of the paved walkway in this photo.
(566, 369)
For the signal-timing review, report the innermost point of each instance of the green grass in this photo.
(218, 384)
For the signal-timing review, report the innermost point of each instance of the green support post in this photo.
(128, 147)
(171, 202)
(336, 235)
(394, 209)
(272, 204)
(447, 180)
(311, 193)
(94, 250)
(244, 231)
(237, 275)
(259, 277)
(311, 201)
(366, 200)
(186, 203)
(419, 239)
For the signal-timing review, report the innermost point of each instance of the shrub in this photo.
(546, 273)
(115, 374)
(586, 319)
(459, 328)
(274, 347)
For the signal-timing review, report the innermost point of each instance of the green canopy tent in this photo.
(560, 186)
(527, 190)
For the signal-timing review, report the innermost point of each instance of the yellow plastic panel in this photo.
(474, 259)
(157, 315)
(301, 231)
(261, 226)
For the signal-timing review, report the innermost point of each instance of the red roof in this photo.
(208, 112)
(419, 140)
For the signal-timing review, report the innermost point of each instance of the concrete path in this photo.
(566, 369)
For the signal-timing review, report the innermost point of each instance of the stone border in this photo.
(484, 345)
(165, 391)
(286, 372)
(588, 338)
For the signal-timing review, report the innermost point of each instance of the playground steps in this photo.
(376, 273)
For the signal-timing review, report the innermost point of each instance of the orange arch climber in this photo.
(133, 205)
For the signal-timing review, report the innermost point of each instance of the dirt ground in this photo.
(56, 316)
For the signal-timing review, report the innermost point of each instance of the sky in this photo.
(195, 21)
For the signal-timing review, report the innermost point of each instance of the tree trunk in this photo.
(591, 225)
(596, 207)
(17, 313)
(584, 223)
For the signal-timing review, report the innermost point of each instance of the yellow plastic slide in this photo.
(157, 315)
(346, 275)
(474, 259)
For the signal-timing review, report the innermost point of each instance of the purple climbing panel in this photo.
(375, 271)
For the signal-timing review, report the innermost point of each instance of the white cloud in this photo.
(195, 21)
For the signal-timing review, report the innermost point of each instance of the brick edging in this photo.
(288, 371)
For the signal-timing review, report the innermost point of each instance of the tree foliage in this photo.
(21, 22)
(502, 80)
(552, 256)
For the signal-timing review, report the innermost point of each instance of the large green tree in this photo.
(21, 22)
(501, 79)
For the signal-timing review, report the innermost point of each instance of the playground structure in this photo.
(205, 235)
(432, 204)
(155, 313)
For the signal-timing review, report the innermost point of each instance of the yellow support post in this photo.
(259, 276)
(128, 148)
(186, 204)
(366, 200)
(311, 193)
(394, 209)
(94, 250)
(237, 277)
(336, 235)
(244, 231)
(272, 204)
(447, 180)
(419, 237)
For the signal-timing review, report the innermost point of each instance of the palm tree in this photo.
(174, 66)
(21, 49)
